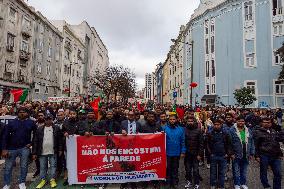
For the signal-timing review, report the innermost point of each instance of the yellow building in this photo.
(166, 77)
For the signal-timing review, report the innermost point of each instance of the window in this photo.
(40, 44)
(65, 69)
(10, 42)
(251, 85)
(277, 59)
(213, 68)
(26, 22)
(250, 62)
(46, 90)
(207, 89)
(212, 44)
(12, 14)
(212, 27)
(278, 29)
(49, 52)
(207, 46)
(47, 69)
(207, 68)
(25, 46)
(39, 68)
(37, 88)
(206, 27)
(279, 87)
(67, 55)
(248, 10)
(213, 89)
(277, 7)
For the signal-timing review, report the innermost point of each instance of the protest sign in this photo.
(116, 159)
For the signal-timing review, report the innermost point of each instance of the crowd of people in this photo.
(216, 136)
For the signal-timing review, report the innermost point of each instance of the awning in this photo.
(208, 97)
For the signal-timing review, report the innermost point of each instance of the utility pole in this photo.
(191, 79)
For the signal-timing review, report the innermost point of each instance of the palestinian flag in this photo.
(20, 95)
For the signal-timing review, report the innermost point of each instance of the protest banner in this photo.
(63, 99)
(116, 159)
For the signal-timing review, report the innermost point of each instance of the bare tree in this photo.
(115, 80)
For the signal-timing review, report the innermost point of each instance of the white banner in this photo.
(63, 99)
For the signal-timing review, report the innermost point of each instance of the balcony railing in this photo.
(68, 45)
(27, 31)
(8, 76)
(25, 55)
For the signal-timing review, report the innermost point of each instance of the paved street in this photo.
(253, 182)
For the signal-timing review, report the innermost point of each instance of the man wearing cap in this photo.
(20, 128)
(47, 146)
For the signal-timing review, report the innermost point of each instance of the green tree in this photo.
(244, 96)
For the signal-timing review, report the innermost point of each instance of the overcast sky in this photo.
(137, 33)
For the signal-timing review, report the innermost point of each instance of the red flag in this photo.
(95, 104)
(139, 107)
(180, 112)
(17, 93)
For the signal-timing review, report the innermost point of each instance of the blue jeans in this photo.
(240, 167)
(44, 166)
(217, 163)
(23, 154)
(275, 165)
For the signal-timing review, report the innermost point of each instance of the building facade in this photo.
(96, 54)
(16, 40)
(149, 87)
(226, 45)
(234, 47)
(72, 67)
(47, 59)
(159, 83)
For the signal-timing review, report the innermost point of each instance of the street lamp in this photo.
(191, 44)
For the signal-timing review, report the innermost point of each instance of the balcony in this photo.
(68, 45)
(8, 76)
(27, 31)
(25, 55)
(21, 78)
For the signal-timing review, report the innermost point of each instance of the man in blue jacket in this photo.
(16, 142)
(243, 151)
(175, 141)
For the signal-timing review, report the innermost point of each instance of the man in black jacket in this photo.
(268, 152)
(47, 145)
(70, 127)
(220, 148)
(151, 125)
(194, 150)
(107, 126)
